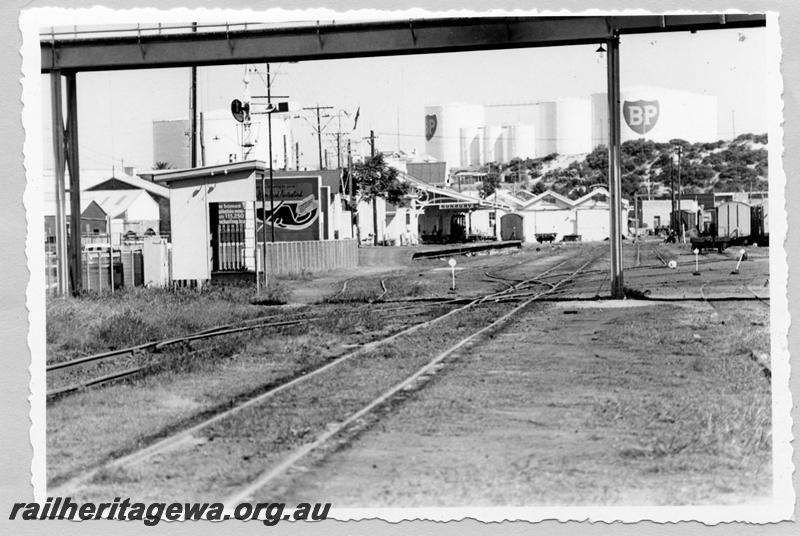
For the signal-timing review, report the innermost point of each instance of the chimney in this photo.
(129, 170)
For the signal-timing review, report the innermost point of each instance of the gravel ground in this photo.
(560, 413)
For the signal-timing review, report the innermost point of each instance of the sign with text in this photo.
(430, 126)
(231, 212)
(641, 116)
(297, 208)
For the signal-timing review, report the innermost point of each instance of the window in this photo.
(656, 221)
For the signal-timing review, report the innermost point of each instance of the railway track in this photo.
(70, 483)
(273, 473)
(152, 348)
(156, 349)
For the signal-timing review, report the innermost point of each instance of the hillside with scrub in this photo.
(722, 166)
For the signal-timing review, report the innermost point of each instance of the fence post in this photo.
(87, 269)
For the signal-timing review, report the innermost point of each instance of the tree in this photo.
(162, 165)
(372, 179)
(489, 185)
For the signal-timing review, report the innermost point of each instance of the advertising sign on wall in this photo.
(297, 209)
(231, 212)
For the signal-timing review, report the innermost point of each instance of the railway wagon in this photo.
(759, 224)
(733, 219)
(741, 223)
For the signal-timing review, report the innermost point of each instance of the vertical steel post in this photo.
(614, 168)
(62, 257)
(73, 163)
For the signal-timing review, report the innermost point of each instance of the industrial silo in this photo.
(546, 129)
(574, 126)
(661, 115)
(599, 103)
(471, 146)
(522, 142)
(657, 114)
(494, 144)
(443, 126)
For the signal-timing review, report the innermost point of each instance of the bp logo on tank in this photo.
(430, 126)
(641, 115)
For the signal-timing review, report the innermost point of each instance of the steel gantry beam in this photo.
(349, 40)
(143, 48)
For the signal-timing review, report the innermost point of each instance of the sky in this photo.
(116, 109)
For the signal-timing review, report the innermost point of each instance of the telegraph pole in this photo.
(285, 155)
(270, 109)
(194, 109)
(673, 219)
(371, 139)
(374, 198)
(680, 215)
(351, 192)
(317, 108)
(269, 131)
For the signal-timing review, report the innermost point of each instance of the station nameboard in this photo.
(459, 205)
(297, 207)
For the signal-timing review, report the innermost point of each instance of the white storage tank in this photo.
(658, 114)
(471, 146)
(443, 126)
(494, 144)
(546, 129)
(573, 126)
(521, 141)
